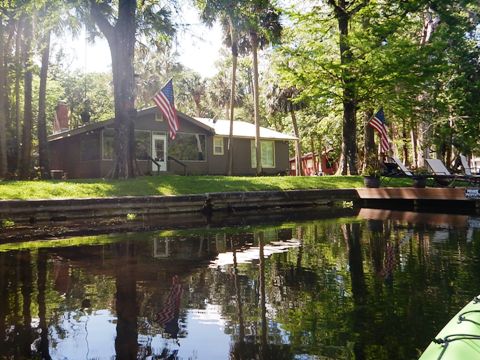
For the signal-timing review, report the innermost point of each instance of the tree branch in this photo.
(358, 7)
(101, 20)
(337, 8)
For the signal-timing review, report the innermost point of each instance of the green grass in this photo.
(174, 185)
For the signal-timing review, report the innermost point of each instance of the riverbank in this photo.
(175, 185)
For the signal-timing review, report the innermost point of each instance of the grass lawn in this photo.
(175, 185)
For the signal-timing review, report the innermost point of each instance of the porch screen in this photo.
(89, 148)
(187, 147)
(107, 144)
(143, 144)
(267, 148)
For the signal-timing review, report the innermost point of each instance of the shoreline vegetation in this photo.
(175, 185)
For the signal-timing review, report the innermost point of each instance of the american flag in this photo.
(378, 123)
(165, 102)
(171, 306)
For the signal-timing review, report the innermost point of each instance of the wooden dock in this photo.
(441, 199)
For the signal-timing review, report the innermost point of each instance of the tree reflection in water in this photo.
(346, 289)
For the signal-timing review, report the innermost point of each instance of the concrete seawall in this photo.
(29, 211)
(28, 219)
(90, 208)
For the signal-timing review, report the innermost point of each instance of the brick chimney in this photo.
(60, 123)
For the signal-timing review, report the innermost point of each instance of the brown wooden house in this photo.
(200, 148)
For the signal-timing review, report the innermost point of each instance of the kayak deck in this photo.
(460, 338)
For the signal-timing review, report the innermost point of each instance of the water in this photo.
(376, 286)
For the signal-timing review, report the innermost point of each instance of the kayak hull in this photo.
(460, 338)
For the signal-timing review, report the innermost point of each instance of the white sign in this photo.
(472, 193)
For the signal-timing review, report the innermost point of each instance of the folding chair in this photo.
(444, 177)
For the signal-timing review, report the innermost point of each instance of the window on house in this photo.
(189, 147)
(217, 145)
(89, 148)
(143, 144)
(107, 144)
(158, 116)
(267, 148)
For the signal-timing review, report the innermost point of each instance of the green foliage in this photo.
(7, 223)
(131, 216)
(74, 88)
(433, 84)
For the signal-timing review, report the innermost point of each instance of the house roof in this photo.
(242, 129)
(102, 124)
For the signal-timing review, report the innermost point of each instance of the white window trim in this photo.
(253, 158)
(218, 138)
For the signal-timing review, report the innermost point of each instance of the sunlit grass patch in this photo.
(174, 185)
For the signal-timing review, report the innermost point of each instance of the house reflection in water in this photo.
(295, 290)
(133, 288)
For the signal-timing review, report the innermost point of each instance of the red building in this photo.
(311, 165)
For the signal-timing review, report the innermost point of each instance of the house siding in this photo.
(66, 155)
(193, 167)
(242, 164)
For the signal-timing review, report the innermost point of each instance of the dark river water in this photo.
(375, 286)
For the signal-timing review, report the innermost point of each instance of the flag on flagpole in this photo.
(165, 102)
(379, 124)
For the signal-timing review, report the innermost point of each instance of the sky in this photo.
(198, 47)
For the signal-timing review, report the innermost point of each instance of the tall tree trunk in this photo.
(126, 345)
(349, 143)
(263, 298)
(43, 347)
(26, 278)
(256, 102)
(121, 40)
(298, 145)
(430, 24)
(18, 74)
(233, 35)
(314, 160)
(406, 160)
(26, 154)
(414, 137)
(3, 106)
(424, 148)
(42, 121)
(369, 138)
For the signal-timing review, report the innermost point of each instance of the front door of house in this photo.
(159, 151)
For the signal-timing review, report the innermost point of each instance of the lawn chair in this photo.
(404, 171)
(400, 170)
(445, 178)
(465, 165)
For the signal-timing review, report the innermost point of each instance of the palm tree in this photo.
(3, 98)
(192, 88)
(26, 154)
(229, 14)
(262, 24)
(282, 100)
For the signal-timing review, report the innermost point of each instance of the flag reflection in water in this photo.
(168, 316)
